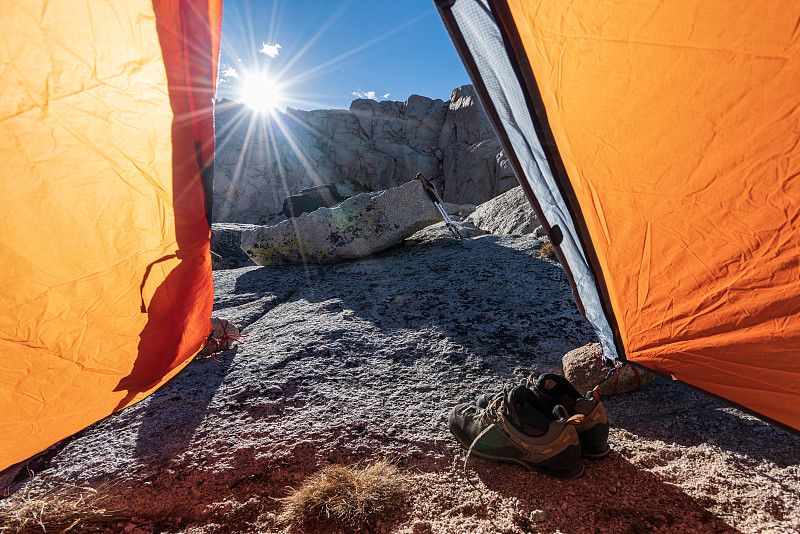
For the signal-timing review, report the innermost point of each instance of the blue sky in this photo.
(320, 54)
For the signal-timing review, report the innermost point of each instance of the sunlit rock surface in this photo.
(509, 213)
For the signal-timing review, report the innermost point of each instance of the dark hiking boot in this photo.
(555, 390)
(517, 427)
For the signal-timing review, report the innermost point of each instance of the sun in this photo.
(260, 93)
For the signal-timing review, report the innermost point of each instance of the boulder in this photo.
(226, 240)
(359, 227)
(224, 337)
(458, 210)
(510, 214)
(585, 368)
(438, 231)
(311, 199)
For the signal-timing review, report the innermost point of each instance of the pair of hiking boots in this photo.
(544, 425)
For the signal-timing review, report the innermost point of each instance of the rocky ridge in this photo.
(261, 159)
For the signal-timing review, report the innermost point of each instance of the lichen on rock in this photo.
(359, 227)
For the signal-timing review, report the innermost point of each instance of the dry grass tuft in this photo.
(347, 495)
(60, 509)
(547, 251)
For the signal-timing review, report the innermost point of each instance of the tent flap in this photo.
(661, 139)
(106, 128)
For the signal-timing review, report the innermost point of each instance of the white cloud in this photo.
(368, 94)
(230, 72)
(269, 49)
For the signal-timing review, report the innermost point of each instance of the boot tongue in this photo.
(515, 404)
(557, 390)
(526, 412)
(546, 383)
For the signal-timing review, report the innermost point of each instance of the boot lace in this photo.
(492, 412)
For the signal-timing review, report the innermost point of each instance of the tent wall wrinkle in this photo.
(676, 124)
(107, 279)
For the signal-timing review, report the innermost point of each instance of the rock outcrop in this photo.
(510, 213)
(313, 198)
(360, 361)
(226, 242)
(339, 362)
(261, 160)
(474, 167)
(358, 227)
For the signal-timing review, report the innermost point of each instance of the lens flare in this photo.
(260, 93)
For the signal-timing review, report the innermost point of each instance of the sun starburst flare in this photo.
(261, 93)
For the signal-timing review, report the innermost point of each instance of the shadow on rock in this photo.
(674, 414)
(175, 411)
(490, 295)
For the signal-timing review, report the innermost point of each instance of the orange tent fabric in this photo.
(106, 139)
(673, 131)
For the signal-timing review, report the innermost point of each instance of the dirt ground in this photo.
(362, 361)
(681, 462)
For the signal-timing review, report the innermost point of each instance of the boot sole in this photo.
(598, 455)
(505, 460)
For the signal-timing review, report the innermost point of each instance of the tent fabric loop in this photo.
(224, 340)
(147, 275)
